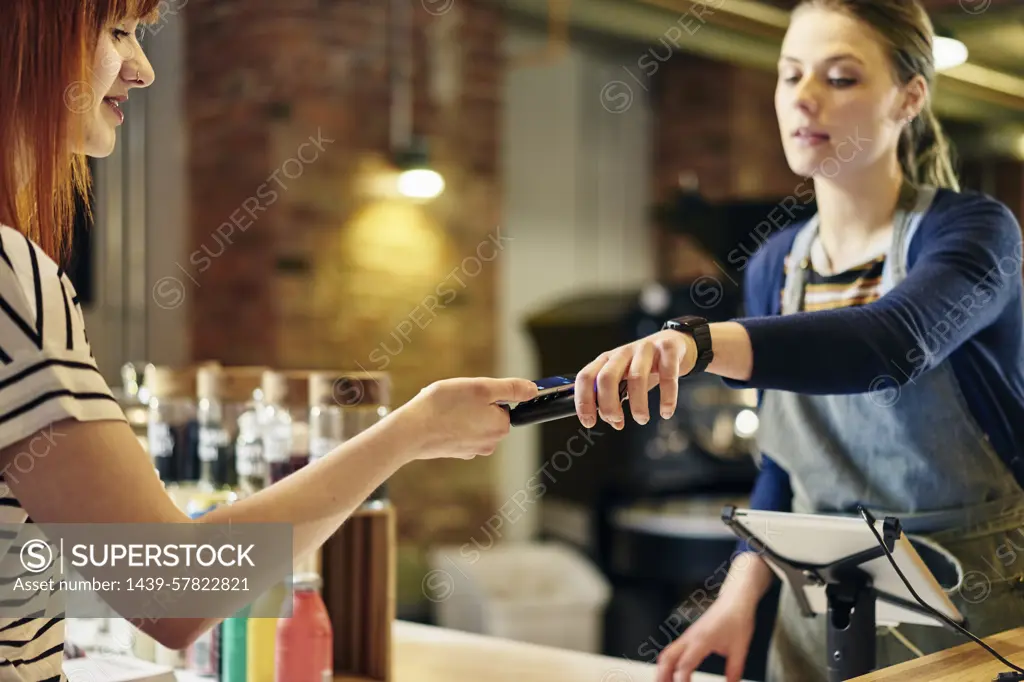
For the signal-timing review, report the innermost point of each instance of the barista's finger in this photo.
(637, 383)
(584, 393)
(669, 359)
(609, 406)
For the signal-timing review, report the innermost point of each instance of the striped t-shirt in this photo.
(47, 374)
(859, 285)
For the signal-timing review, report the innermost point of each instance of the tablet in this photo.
(821, 539)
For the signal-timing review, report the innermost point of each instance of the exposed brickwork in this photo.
(322, 276)
(718, 120)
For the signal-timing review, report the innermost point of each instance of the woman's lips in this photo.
(112, 104)
(810, 137)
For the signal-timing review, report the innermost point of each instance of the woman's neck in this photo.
(855, 211)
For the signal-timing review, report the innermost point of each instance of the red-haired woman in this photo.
(67, 453)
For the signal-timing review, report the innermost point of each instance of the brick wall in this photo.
(293, 264)
(718, 120)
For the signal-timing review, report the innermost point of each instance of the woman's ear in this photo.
(915, 98)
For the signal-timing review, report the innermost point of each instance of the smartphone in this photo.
(555, 385)
(555, 400)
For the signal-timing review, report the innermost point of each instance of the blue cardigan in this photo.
(961, 300)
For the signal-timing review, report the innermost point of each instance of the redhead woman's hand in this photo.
(660, 358)
(460, 417)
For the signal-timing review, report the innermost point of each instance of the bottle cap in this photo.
(350, 389)
(228, 384)
(170, 382)
(306, 580)
(289, 388)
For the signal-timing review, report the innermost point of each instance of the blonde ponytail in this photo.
(925, 154)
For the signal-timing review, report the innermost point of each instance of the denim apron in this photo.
(911, 450)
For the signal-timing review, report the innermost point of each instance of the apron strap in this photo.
(904, 227)
(799, 262)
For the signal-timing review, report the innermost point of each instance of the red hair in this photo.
(46, 47)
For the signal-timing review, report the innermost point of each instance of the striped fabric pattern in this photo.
(860, 285)
(47, 374)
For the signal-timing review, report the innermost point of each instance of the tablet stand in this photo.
(851, 597)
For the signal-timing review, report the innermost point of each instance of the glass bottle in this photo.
(343, 405)
(286, 423)
(250, 462)
(225, 393)
(133, 397)
(305, 640)
(171, 440)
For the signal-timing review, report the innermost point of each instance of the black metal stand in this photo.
(851, 628)
(851, 597)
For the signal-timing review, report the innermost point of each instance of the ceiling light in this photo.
(420, 183)
(948, 52)
(417, 180)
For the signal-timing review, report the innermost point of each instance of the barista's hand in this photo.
(726, 629)
(459, 417)
(660, 358)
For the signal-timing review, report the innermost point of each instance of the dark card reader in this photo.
(555, 400)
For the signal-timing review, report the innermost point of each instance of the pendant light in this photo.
(947, 51)
(416, 178)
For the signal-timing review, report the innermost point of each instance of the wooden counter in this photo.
(965, 663)
(423, 653)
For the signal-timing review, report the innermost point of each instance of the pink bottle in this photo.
(305, 641)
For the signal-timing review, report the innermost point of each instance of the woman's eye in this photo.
(842, 82)
(120, 34)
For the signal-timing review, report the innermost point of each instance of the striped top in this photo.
(47, 374)
(859, 285)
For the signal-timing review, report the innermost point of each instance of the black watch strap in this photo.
(696, 327)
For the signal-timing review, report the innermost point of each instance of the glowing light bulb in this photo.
(420, 183)
(746, 423)
(948, 52)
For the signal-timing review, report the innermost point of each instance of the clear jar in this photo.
(286, 422)
(133, 397)
(250, 462)
(171, 432)
(343, 405)
(225, 394)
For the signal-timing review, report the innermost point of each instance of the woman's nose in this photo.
(138, 72)
(805, 95)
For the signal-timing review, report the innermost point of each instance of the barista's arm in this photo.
(772, 492)
(966, 274)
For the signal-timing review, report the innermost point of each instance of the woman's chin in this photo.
(804, 164)
(100, 144)
(99, 152)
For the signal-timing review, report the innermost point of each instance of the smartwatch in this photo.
(697, 328)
